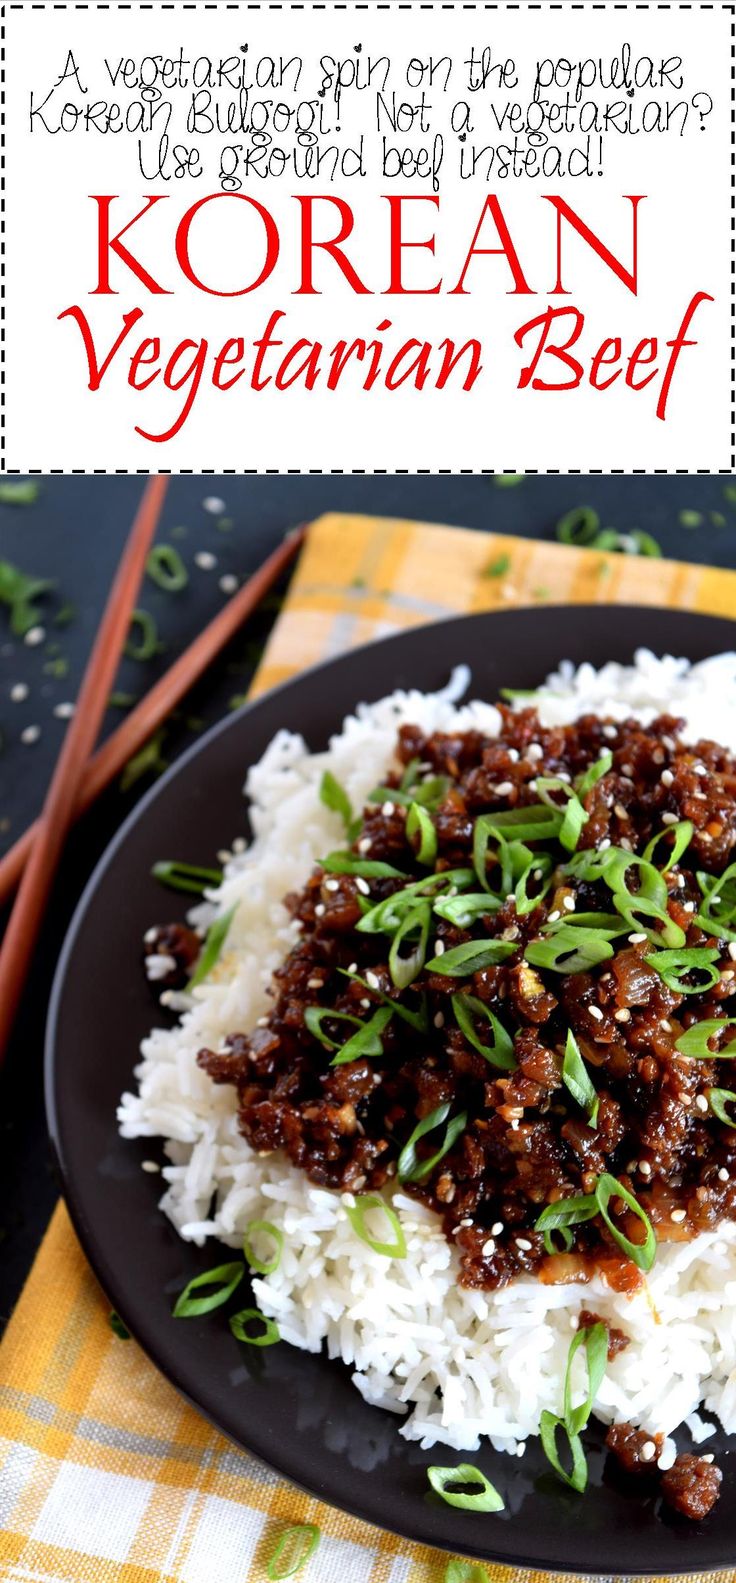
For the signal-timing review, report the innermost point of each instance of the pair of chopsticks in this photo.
(78, 777)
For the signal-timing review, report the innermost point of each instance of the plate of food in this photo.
(394, 1100)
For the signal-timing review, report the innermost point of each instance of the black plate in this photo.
(297, 1412)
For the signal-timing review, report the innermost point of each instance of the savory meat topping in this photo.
(692, 1486)
(512, 994)
(637, 1451)
(170, 952)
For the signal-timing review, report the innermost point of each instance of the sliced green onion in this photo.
(369, 1203)
(541, 869)
(535, 823)
(224, 1278)
(577, 1476)
(268, 1229)
(593, 774)
(212, 948)
(166, 568)
(578, 526)
(461, 910)
(675, 966)
(576, 1079)
(411, 774)
(386, 916)
(635, 910)
(462, 960)
(645, 544)
(564, 1213)
(248, 1316)
(367, 1042)
(573, 815)
(293, 1550)
(404, 969)
(718, 908)
(429, 793)
(419, 823)
(641, 1254)
(614, 866)
(570, 950)
(118, 1328)
(408, 1168)
(500, 1052)
(695, 1040)
(594, 1341)
(465, 1572)
(186, 876)
(482, 1498)
(366, 868)
(416, 1019)
(23, 492)
(147, 644)
(682, 833)
(314, 1016)
(334, 796)
(718, 1099)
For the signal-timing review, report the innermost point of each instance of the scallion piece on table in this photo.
(463, 960)
(186, 876)
(292, 1552)
(263, 1228)
(409, 1168)
(675, 967)
(419, 824)
(240, 1325)
(479, 1497)
(718, 1099)
(143, 640)
(373, 1204)
(212, 948)
(223, 1280)
(459, 1571)
(332, 795)
(695, 1041)
(117, 1327)
(166, 568)
(500, 1051)
(576, 1079)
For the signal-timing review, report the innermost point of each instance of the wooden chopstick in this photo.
(61, 798)
(152, 710)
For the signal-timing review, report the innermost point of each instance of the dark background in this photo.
(73, 535)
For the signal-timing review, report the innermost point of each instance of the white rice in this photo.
(455, 1364)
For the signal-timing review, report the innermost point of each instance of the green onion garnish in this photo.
(682, 832)
(262, 1228)
(540, 869)
(366, 868)
(334, 796)
(18, 591)
(482, 1497)
(536, 823)
(462, 960)
(404, 969)
(674, 967)
(248, 1316)
(118, 1328)
(576, 1079)
(570, 950)
(718, 907)
(641, 1254)
(594, 1340)
(212, 948)
(370, 1203)
(408, 1168)
(186, 876)
(419, 823)
(458, 1571)
(429, 793)
(145, 646)
(365, 1043)
(23, 492)
(718, 1099)
(314, 1016)
(416, 1019)
(573, 815)
(224, 1278)
(387, 915)
(166, 568)
(593, 774)
(561, 1215)
(461, 910)
(293, 1550)
(695, 1040)
(500, 1052)
(579, 526)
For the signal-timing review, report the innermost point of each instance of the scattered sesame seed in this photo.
(30, 734)
(513, 754)
(365, 1002)
(504, 789)
(732, 950)
(362, 885)
(668, 744)
(496, 1229)
(439, 949)
(553, 916)
(387, 809)
(19, 693)
(701, 1103)
(627, 769)
(723, 1174)
(151, 1166)
(364, 844)
(648, 1451)
(64, 711)
(688, 906)
(610, 733)
(262, 1022)
(521, 1448)
(34, 636)
(239, 844)
(709, 1456)
(620, 811)
(622, 1016)
(669, 818)
(353, 968)
(488, 1248)
(678, 1215)
(319, 910)
(604, 844)
(666, 777)
(534, 751)
(205, 560)
(166, 998)
(645, 1168)
(666, 1025)
(372, 978)
(214, 505)
(523, 1245)
(564, 775)
(596, 1012)
(568, 903)
(537, 873)
(637, 939)
(228, 583)
(439, 1019)
(315, 983)
(332, 884)
(699, 769)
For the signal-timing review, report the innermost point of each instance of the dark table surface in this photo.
(73, 535)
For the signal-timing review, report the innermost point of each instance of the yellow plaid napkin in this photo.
(105, 1473)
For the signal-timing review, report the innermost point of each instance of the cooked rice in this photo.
(455, 1364)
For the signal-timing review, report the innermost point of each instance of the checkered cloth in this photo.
(105, 1473)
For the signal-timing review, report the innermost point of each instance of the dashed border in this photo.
(725, 6)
